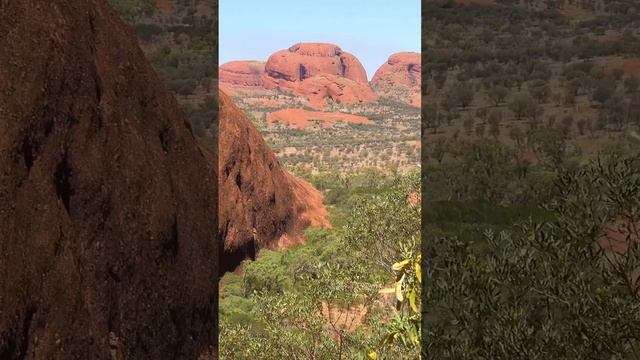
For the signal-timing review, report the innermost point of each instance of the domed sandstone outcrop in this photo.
(320, 72)
(400, 78)
(242, 73)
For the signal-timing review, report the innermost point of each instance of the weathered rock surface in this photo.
(107, 201)
(242, 73)
(400, 78)
(320, 72)
(322, 88)
(286, 68)
(262, 205)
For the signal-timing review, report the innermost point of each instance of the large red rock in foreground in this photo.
(400, 77)
(261, 205)
(107, 201)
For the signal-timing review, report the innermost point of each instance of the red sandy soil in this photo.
(301, 118)
(618, 236)
(338, 318)
(616, 241)
(631, 67)
(166, 7)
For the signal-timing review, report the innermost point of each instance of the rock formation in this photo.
(242, 73)
(262, 206)
(320, 88)
(317, 71)
(286, 68)
(400, 78)
(107, 201)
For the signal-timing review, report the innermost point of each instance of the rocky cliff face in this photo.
(261, 205)
(287, 67)
(317, 71)
(400, 78)
(107, 201)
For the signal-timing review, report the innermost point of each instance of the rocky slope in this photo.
(400, 78)
(262, 206)
(107, 201)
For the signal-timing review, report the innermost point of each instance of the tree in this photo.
(603, 90)
(632, 83)
(567, 123)
(582, 126)
(497, 94)
(523, 105)
(551, 143)
(516, 135)
(440, 79)
(482, 113)
(449, 106)
(463, 93)
(549, 289)
(540, 90)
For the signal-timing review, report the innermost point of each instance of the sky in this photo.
(369, 29)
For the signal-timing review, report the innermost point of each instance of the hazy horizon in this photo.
(370, 30)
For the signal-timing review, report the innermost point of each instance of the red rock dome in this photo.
(302, 61)
(242, 73)
(399, 77)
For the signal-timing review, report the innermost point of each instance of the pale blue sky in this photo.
(370, 29)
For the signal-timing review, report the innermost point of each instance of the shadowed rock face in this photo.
(261, 205)
(107, 201)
